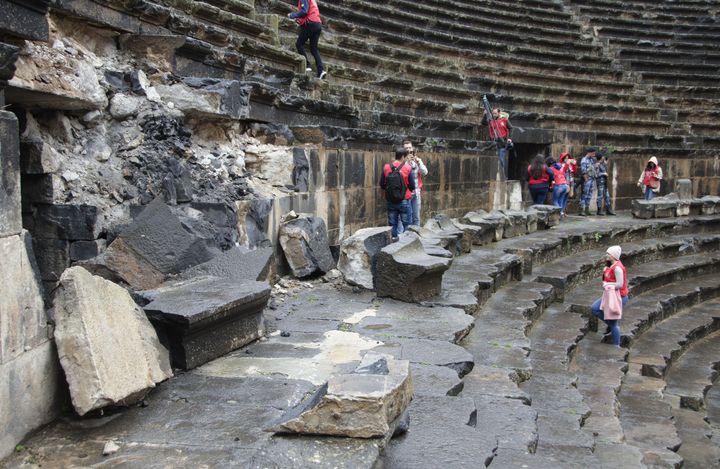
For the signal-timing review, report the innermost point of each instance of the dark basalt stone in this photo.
(10, 209)
(203, 319)
(69, 222)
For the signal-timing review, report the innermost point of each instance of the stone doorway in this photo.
(520, 158)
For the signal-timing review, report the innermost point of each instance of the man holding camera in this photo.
(500, 128)
(417, 171)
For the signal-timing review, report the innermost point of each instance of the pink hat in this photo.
(615, 252)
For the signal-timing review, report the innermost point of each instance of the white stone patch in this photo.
(360, 315)
(336, 348)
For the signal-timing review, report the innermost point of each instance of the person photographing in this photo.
(417, 171)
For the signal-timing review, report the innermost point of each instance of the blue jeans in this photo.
(502, 153)
(613, 324)
(603, 194)
(588, 187)
(649, 194)
(415, 204)
(399, 216)
(538, 193)
(560, 196)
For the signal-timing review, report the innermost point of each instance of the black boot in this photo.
(611, 213)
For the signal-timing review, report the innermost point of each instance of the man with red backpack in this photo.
(398, 187)
(308, 17)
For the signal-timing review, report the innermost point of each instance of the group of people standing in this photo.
(546, 174)
(402, 182)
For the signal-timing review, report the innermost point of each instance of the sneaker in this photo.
(607, 332)
(308, 70)
(322, 75)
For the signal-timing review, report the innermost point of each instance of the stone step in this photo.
(696, 9)
(507, 317)
(637, 51)
(565, 274)
(647, 421)
(700, 447)
(359, 11)
(693, 374)
(661, 346)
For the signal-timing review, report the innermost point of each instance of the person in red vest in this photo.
(500, 129)
(560, 185)
(539, 179)
(399, 188)
(615, 275)
(308, 17)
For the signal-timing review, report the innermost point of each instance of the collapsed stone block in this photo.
(109, 350)
(643, 209)
(404, 271)
(205, 318)
(442, 223)
(38, 157)
(238, 263)
(431, 238)
(516, 223)
(367, 403)
(69, 222)
(154, 245)
(547, 215)
(305, 243)
(493, 226)
(358, 253)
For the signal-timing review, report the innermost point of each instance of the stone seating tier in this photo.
(692, 9)
(360, 11)
(663, 345)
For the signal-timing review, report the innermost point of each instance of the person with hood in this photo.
(308, 17)
(560, 188)
(539, 179)
(609, 307)
(570, 165)
(650, 178)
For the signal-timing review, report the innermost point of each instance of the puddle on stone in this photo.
(378, 327)
(336, 349)
(360, 315)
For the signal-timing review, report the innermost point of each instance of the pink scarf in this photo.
(611, 303)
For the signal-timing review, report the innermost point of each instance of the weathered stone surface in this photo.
(123, 106)
(154, 245)
(405, 272)
(68, 222)
(357, 255)
(206, 318)
(362, 404)
(301, 168)
(32, 393)
(683, 188)
(518, 223)
(208, 97)
(442, 434)
(47, 78)
(239, 263)
(109, 351)
(433, 380)
(10, 218)
(38, 157)
(711, 205)
(23, 323)
(430, 238)
(84, 250)
(306, 246)
(494, 222)
(429, 352)
(442, 226)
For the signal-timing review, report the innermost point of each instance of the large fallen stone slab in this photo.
(518, 222)
(711, 205)
(238, 263)
(435, 240)
(357, 255)
(109, 350)
(153, 246)
(305, 243)
(494, 222)
(405, 272)
(205, 318)
(363, 404)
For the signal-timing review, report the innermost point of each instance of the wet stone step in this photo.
(662, 345)
(692, 375)
(699, 447)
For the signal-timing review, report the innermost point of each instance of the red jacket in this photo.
(307, 13)
(405, 173)
(609, 276)
(544, 177)
(499, 128)
(559, 174)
